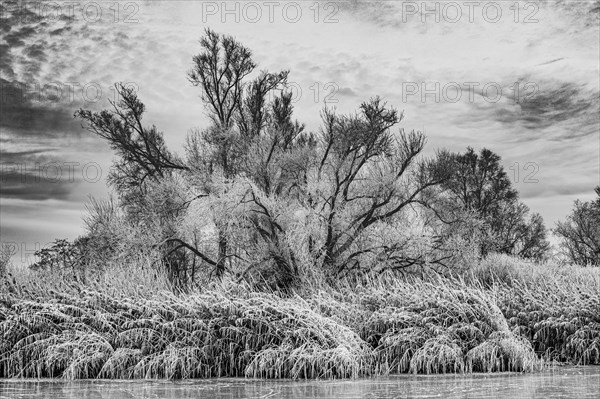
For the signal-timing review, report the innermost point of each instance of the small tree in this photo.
(61, 255)
(580, 232)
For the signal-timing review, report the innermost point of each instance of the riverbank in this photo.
(504, 316)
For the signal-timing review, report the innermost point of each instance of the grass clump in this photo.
(557, 309)
(502, 351)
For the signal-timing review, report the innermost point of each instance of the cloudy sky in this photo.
(521, 80)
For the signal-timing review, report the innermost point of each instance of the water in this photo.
(562, 382)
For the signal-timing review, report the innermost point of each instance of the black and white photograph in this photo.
(300, 199)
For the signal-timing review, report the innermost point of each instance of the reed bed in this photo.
(555, 307)
(215, 334)
(513, 321)
(438, 326)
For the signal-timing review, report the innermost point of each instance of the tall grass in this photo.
(215, 334)
(128, 323)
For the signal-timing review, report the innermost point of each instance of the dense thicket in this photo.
(266, 250)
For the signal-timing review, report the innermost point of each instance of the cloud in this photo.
(552, 103)
(35, 113)
(369, 51)
(41, 174)
(346, 92)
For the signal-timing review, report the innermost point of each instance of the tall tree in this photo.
(221, 70)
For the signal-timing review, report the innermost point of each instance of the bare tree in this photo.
(220, 70)
(252, 114)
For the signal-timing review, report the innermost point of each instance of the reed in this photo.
(220, 333)
(112, 327)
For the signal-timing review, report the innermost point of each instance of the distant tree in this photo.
(62, 254)
(580, 232)
(480, 184)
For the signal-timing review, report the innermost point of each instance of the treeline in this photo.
(258, 197)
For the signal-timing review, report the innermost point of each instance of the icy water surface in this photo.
(561, 382)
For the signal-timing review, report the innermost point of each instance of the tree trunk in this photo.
(222, 254)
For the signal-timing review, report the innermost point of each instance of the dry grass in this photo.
(136, 327)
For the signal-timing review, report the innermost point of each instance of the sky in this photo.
(519, 78)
